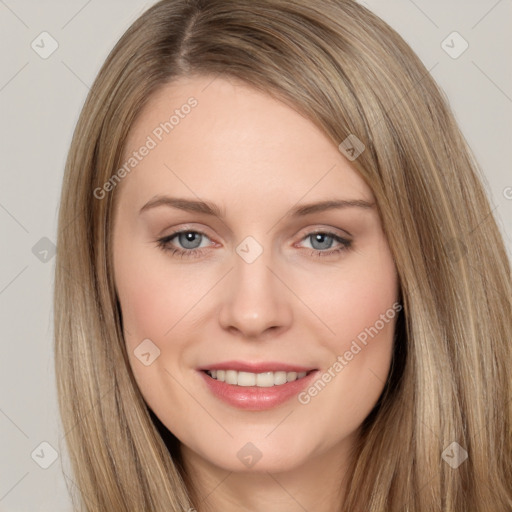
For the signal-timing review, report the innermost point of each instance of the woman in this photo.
(260, 369)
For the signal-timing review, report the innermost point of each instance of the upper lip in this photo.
(252, 367)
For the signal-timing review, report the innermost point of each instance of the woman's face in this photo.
(259, 287)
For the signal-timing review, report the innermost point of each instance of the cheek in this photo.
(158, 302)
(147, 310)
(357, 301)
(360, 311)
(150, 293)
(152, 309)
(148, 303)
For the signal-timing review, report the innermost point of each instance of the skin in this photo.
(256, 158)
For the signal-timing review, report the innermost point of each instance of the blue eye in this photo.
(190, 240)
(324, 241)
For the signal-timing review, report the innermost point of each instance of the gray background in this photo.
(40, 100)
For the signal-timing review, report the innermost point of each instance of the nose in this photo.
(255, 301)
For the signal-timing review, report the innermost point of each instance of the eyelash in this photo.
(163, 243)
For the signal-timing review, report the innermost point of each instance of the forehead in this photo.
(220, 137)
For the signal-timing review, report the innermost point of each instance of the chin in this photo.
(241, 455)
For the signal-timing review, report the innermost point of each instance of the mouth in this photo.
(256, 386)
(261, 380)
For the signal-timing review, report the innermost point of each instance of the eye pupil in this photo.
(323, 239)
(189, 237)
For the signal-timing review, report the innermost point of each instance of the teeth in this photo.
(231, 377)
(261, 380)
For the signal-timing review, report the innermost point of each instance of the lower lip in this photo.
(254, 398)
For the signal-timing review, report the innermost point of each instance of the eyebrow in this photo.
(209, 208)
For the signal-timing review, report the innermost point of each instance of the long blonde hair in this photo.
(351, 74)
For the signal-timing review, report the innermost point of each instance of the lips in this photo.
(258, 386)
